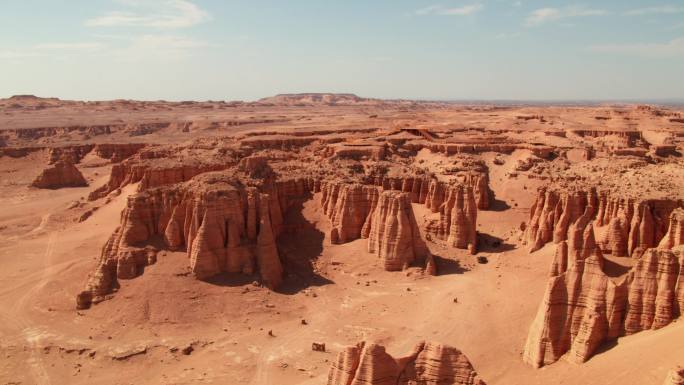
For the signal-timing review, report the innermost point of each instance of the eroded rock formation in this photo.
(115, 152)
(227, 211)
(633, 225)
(61, 174)
(386, 217)
(583, 307)
(152, 169)
(394, 235)
(428, 363)
(223, 225)
(675, 234)
(349, 207)
(456, 203)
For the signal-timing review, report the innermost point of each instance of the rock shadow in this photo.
(299, 246)
(614, 269)
(232, 279)
(487, 243)
(604, 347)
(498, 205)
(446, 266)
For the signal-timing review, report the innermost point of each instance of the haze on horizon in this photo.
(411, 49)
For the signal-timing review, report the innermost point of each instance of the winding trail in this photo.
(17, 315)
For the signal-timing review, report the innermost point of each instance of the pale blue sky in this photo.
(228, 50)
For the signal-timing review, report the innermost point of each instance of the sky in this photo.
(411, 49)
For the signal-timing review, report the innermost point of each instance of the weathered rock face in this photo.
(656, 296)
(480, 185)
(223, 225)
(349, 207)
(541, 151)
(457, 215)
(387, 219)
(152, 175)
(420, 187)
(632, 225)
(61, 174)
(583, 307)
(429, 363)
(115, 152)
(384, 217)
(675, 234)
(675, 376)
(456, 204)
(71, 154)
(394, 235)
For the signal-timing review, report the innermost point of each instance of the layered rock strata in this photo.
(223, 225)
(419, 187)
(115, 152)
(632, 225)
(394, 235)
(150, 175)
(428, 363)
(675, 234)
(583, 307)
(387, 219)
(60, 174)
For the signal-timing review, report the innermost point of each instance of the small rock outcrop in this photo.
(675, 376)
(428, 363)
(61, 174)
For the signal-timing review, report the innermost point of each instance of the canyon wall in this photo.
(632, 225)
(150, 174)
(223, 226)
(386, 217)
(456, 203)
(583, 307)
(419, 187)
(428, 363)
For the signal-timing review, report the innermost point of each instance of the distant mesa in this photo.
(312, 99)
